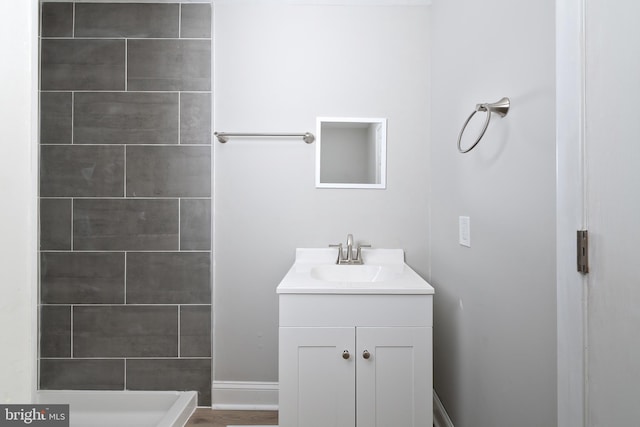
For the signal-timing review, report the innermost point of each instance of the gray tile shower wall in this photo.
(125, 331)
(125, 196)
(186, 171)
(176, 374)
(157, 65)
(82, 374)
(126, 20)
(55, 120)
(77, 171)
(168, 277)
(55, 224)
(82, 64)
(125, 224)
(125, 118)
(82, 277)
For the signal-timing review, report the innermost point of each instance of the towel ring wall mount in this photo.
(501, 108)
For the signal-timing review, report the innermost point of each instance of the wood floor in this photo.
(204, 417)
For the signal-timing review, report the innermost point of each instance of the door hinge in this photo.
(583, 251)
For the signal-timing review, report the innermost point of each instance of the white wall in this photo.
(18, 224)
(495, 312)
(278, 66)
(613, 174)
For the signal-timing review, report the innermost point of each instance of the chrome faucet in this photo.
(350, 249)
(348, 257)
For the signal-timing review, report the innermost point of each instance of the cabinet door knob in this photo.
(366, 354)
(345, 354)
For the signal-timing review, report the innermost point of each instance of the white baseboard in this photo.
(244, 396)
(263, 396)
(440, 416)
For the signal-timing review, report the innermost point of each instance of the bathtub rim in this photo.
(176, 414)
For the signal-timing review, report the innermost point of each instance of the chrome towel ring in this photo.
(501, 108)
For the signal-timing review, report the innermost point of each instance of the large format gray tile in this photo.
(125, 118)
(57, 20)
(125, 224)
(196, 21)
(195, 331)
(78, 374)
(55, 224)
(77, 171)
(180, 171)
(82, 278)
(169, 278)
(195, 118)
(169, 65)
(126, 20)
(55, 331)
(82, 64)
(178, 374)
(195, 224)
(125, 331)
(55, 117)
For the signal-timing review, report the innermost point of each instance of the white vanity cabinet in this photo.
(361, 359)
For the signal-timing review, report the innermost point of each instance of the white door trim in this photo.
(571, 211)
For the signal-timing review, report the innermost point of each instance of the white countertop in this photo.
(396, 278)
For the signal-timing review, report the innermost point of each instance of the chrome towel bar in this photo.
(224, 136)
(501, 108)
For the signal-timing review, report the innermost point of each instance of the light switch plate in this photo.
(464, 231)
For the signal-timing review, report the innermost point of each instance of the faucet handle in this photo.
(339, 246)
(359, 252)
(340, 252)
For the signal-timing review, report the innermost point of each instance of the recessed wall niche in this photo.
(351, 152)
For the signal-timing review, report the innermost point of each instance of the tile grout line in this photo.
(179, 356)
(72, 306)
(179, 224)
(130, 358)
(40, 11)
(71, 243)
(125, 277)
(73, 105)
(124, 171)
(73, 21)
(179, 20)
(120, 198)
(106, 144)
(145, 304)
(125, 372)
(117, 251)
(121, 91)
(126, 38)
(126, 64)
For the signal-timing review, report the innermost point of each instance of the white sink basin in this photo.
(355, 273)
(383, 272)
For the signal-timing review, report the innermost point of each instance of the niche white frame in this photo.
(381, 150)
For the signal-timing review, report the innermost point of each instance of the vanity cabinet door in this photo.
(317, 380)
(394, 377)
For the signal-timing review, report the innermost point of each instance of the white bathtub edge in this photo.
(181, 410)
(175, 407)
